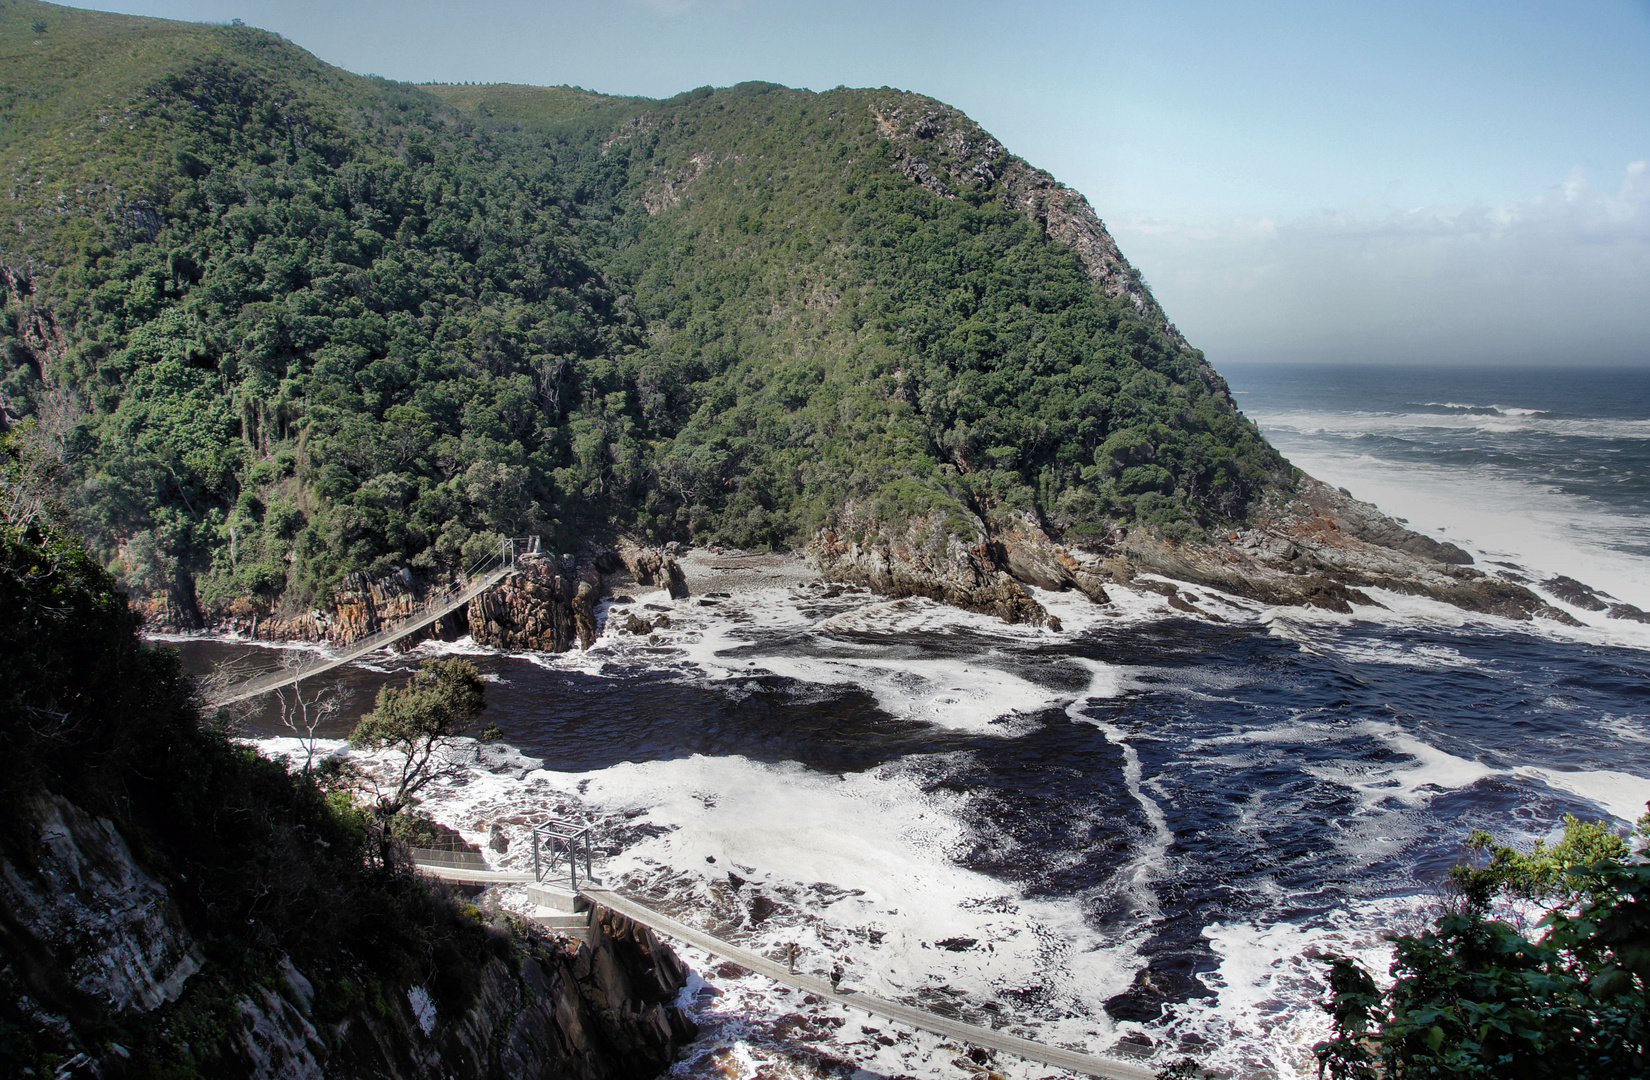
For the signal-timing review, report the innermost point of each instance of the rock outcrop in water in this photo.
(924, 559)
(653, 566)
(543, 605)
(1317, 547)
(1322, 548)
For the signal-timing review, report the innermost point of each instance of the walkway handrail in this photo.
(1056, 1056)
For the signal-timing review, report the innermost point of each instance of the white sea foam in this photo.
(1494, 419)
(1422, 772)
(1492, 513)
(1271, 980)
(1150, 859)
(1621, 795)
(859, 870)
(1418, 771)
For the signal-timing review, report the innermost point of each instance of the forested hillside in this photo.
(275, 322)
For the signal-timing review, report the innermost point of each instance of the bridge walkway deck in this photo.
(974, 1035)
(443, 605)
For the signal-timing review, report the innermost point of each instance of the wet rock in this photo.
(654, 566)
(1628, 611)
(1571, 591)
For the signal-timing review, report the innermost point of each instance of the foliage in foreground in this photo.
(1475, 997)
(416, 723)
(262, 864)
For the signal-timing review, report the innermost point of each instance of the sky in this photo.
(1316, 181)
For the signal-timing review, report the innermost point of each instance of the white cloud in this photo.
(1560, 276)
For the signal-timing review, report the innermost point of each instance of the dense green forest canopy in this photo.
(279, 322)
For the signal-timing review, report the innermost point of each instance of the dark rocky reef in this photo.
(1315, 546)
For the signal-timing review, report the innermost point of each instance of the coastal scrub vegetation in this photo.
(1476, 995)
(283, 323)
(264, 865)
(416, 723)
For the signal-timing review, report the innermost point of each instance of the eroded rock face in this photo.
(653, 566)
(629, 982)
(87, 929)
(542, 606)
(925, 559)
(581, 1011)
(1317, 547)
(1322, 548)
(361, 606)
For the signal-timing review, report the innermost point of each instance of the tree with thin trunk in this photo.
(417, 723)
(304, 714)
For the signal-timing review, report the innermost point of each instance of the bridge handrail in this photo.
(1057, 1056)
(433, 608)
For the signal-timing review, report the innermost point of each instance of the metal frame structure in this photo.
(564, 837)
(512, 548)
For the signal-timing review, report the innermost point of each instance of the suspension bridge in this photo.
(576, 903)
(574, 906)
(483, 575)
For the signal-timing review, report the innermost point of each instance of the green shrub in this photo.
(1475, 997)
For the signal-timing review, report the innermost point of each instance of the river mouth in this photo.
(1137, 834)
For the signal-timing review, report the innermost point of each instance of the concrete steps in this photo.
(560, 910)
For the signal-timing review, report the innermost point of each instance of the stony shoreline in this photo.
(1316, 546)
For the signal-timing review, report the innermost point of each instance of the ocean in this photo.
(1137, 835)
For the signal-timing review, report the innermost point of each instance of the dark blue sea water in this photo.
(1147, 827)
(1561, 454)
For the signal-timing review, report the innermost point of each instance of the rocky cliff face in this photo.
(925, 559)
(91, 941)
(543, 606)
(653, 566)
(362, 606)
(83, 926)
(946, 152)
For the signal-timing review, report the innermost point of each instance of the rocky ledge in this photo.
(1316, 546)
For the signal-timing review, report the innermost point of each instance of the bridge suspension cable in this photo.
(480, 576)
